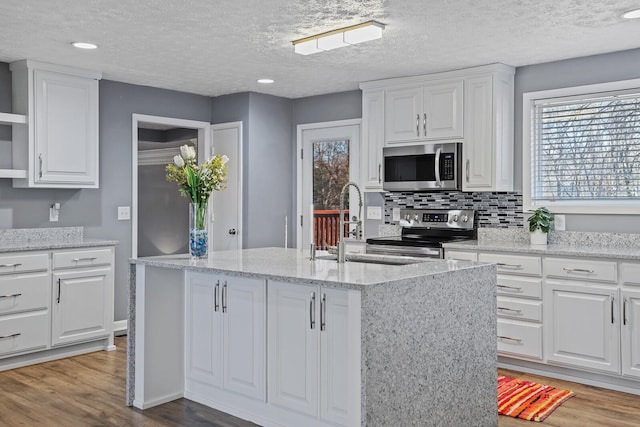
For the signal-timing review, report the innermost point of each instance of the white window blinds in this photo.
(586, 148)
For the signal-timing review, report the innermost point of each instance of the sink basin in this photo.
(377, 259)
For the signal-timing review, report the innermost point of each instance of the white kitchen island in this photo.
(275, 338)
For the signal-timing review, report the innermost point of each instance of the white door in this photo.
(326, 152)
(226, 225)
(631, 333)
(293, 346)
(244, 326)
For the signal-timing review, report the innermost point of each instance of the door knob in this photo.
(232, 231)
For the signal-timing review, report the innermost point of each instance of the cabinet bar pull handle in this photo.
(500, 337)
(10, 296)
(624, 311)
(379, 173)
(424, 124)
(323, 312)
(417, 124)
(514, 288)
(612, 301)
(577, 270)
(224, 297)
(510, 309)
(85, 259)
(58, 291)
(515, 266)
(40, 165)
(467, 170)
(216, 305)
(11, 265)
(11, 336)
(312, 311)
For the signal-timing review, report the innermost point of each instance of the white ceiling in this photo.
(215, 47)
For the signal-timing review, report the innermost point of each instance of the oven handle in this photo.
(418, 251)
(437, 161)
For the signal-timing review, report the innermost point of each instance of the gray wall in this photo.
(575, 72)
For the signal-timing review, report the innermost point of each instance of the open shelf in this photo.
(13, 173)
(10, 118)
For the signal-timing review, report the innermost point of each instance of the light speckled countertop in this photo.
(294, 265)
(41, 239)
(625, 246)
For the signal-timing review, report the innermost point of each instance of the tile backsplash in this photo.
(497, 210)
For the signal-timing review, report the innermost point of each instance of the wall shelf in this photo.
(13, 173)
(10, 118)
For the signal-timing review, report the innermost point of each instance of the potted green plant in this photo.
(540, 225)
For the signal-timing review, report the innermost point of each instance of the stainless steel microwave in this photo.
(424, 167)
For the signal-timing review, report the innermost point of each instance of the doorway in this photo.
(329, 158)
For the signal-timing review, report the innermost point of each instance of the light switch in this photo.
(395, 214)
(124, 213)
(374, 212)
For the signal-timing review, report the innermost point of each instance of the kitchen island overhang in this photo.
(426, 350)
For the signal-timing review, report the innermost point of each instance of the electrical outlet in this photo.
(124, 213)
(558, 223)
(374, 212)
(395, 214)
(53, 214)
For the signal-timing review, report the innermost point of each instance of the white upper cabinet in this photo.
(425, 112)
(372, 139)
(59, 146)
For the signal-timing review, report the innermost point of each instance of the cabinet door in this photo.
(204, 328)
(372, 139)
(443, 112)
(631, 333)
(584, 330)
(66, 130)
(243, 313)
(79, 306)
(403, 115)
(478, 147)
(293, 346)
(334, 355)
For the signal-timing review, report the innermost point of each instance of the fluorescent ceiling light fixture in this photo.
(354, 34)
(83, 45)
(632, 14)
(265, 81)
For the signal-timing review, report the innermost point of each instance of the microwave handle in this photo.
(437, 162)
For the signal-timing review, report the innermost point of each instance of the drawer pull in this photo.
(500, 337)
(11, 336)
(510, 309)
(10, 296)
(11, 265)
(577, 270)
(514, 266)
(510, 288)
(85, 259)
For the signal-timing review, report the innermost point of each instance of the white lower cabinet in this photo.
(226, 333)
(631, 333)
(308, 350)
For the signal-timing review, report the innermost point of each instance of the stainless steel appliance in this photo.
(424, 231)
(424, 167)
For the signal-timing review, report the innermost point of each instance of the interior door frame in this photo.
(299, 144)
(204, 152)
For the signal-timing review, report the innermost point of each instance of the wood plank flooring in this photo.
(88, 390)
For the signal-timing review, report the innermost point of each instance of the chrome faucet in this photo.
(357, 233)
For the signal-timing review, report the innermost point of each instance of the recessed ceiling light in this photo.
(632, 14)
(83, 45)
(265, 81)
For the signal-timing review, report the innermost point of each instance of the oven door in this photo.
(422, 167)
(414, 251)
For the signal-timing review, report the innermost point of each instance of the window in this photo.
(582, 148)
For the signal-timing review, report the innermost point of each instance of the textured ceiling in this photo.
(215, 47)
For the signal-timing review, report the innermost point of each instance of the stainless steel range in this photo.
(424, 231)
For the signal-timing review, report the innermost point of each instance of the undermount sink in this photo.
(378, 259)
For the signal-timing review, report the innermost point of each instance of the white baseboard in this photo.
(120, 327)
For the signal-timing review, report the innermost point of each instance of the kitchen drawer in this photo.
(514, 264)
(519, 286)
(630, 274)
(460, 256)
(24, 292)
(521, 309)
(75, 259)
(583, 269)
(23, 332)
(23, 263)
(519, 339)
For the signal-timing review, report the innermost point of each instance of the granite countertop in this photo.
(624, 246)
(293, 265)
(34, 239)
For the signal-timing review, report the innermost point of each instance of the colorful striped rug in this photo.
(529, 401)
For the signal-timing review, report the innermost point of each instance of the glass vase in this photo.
(198, 233)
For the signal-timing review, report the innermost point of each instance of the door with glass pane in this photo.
(329, 160)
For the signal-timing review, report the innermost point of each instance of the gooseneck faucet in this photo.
(354, 220)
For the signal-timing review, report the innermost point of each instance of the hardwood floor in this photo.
(88, 390)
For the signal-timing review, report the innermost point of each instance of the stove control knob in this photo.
(416, 217)
(465, 218)
(455, 218)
